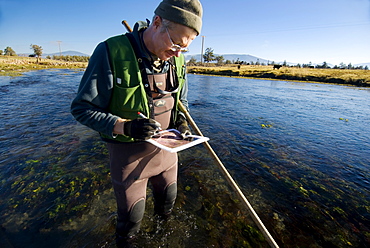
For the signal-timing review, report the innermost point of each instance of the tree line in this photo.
(209, 56)
(37, 53)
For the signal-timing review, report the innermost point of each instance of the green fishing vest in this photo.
(129, 95)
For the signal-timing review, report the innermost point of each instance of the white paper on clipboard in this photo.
(171, 140)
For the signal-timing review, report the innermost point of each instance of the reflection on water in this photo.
(300, 153)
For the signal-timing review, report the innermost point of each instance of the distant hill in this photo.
(363, 64)
(249, 58)
(233, 57)
(66, 53)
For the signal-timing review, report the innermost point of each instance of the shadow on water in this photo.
(309, 187)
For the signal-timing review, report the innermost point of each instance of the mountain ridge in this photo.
(232, 57)
(250, 58)
(66, 53)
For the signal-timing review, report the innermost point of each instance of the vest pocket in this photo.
(125, 73)
(127, 101)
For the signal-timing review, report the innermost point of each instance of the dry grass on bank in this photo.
(337, 76)
(15, 65)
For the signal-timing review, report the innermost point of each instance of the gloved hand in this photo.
(182, 125)
(141, 128)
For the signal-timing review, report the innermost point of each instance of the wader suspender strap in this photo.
(144, 76)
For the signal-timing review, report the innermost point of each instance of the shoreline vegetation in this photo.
(15, 66)
(354, 77)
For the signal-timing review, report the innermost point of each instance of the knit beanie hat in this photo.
(185, 12)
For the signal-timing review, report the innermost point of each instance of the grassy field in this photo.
(15, 66)
(335, 76)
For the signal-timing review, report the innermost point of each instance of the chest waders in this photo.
(133, 164)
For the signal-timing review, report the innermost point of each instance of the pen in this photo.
(142, 115)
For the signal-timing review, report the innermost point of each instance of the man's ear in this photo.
(157, 22)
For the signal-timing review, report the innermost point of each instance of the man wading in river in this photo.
(142, 71)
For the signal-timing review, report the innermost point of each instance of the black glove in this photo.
(141, 128)
(182, 125)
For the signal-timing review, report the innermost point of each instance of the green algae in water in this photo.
(60, 184)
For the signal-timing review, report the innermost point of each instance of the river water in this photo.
(300, 153)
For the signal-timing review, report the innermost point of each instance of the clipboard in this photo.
(172, 141)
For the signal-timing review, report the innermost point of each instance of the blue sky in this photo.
(314, 31)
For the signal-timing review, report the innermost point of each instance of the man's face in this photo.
(169, 42)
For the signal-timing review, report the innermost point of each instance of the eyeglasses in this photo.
(175, 47)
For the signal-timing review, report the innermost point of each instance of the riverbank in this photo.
(15, 65)
(334, 76)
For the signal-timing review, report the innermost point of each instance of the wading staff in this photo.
(124, 23)
(223, 169)
(254, 215)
